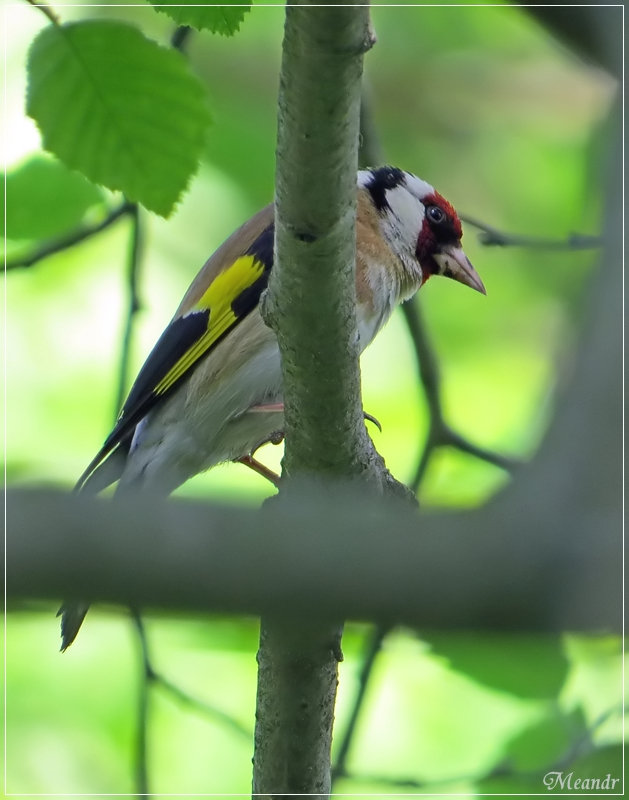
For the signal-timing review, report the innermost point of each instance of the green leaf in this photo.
(45, 199)
(499, 787)
(224, 19)
(599, 764)
(596, 774)
(546, 740)
(523, 665)
(126, 112)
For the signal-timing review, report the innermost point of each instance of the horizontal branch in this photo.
(499, 567)
(71, 239)
(490, 236)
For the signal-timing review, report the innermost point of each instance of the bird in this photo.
(210, 390)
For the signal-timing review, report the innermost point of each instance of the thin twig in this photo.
(370, 152)
(47, 10)
(492, 237)
(451, 438)
(152, 677)
(146, 675)
(583, 745)
(71, 239)
(425, 356)
(374, 645)
(180, 37)
(133, 305)
(440, 434)
(213, 713)
(424, 460)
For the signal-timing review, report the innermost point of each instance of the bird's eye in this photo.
(435, 214)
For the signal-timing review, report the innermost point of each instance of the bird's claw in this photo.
(373, 419)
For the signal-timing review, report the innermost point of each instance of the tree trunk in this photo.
(311, 305)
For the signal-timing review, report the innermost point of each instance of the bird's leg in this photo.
(276, 437)
(265, 408)
(261, 469)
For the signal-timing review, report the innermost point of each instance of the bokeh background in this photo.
(510, 126)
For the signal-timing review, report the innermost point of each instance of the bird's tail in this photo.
(72, 615)
(96, 478)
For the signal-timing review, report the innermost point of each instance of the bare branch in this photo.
(311, 297)
(180, 37)
(492, 237)
(199, 706)
(153, 678)
(506, 566)
(591, 31)
(451, 438)
(47, 10)
(133, 305)
(440, 434)
(144, 697)
(71, 239)
(311, 306)
(581, 746)
(374, 645)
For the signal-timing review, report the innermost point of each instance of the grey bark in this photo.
(311, 298)
(542, 556)
(311, 306)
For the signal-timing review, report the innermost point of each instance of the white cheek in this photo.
(406, 216)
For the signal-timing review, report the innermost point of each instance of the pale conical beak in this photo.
(453, 263)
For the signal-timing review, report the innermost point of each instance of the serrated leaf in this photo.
(224, 19)
(45, 199)
(126, 112)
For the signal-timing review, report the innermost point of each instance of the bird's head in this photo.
(420, 225)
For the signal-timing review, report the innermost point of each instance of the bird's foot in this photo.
(260, 468)
(373, 419)
(276, 437)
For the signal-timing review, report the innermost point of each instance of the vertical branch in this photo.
(144, 681)
(146, 675)
(133, 304)
(311, 305)
(374, 645)
(311, 301)
(428, 368)
(370, 150)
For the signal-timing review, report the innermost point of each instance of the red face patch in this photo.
(441, 227)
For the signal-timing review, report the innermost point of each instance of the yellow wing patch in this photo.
(218, 300)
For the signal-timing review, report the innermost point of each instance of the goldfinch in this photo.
(210, 391)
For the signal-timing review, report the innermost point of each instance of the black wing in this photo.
(189, 338)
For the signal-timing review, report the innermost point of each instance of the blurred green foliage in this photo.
(482, 103)
(47, 199)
